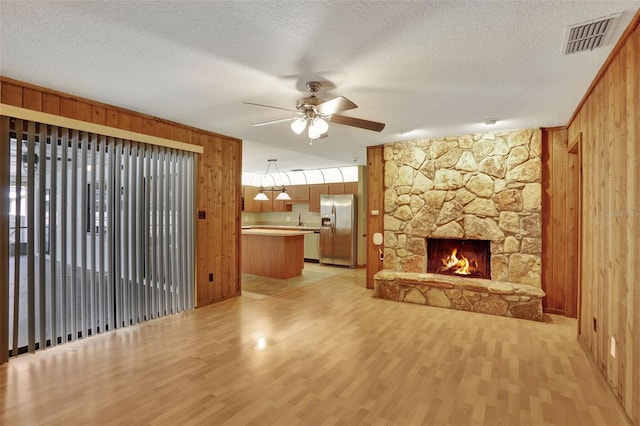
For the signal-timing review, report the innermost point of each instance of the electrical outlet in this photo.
(613, 347)
(210, 278)
(288, 218)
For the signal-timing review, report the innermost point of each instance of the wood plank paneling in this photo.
(136, 123)
(608, 121)
(111, 118)
(4, 236)
(219, 177)
(51, 104)
(98, 115)
(84, 111)
(559, 237)
(11, 94)
(375, 201)
(68, 108)
(32, 99)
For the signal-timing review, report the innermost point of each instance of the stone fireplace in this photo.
(476, 187)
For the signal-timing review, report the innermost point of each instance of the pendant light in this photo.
(282, 196)
(261, 196)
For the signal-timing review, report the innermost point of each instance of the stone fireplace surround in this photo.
(478, 186)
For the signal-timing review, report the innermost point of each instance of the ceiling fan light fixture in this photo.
(298, 125)
(313, 114)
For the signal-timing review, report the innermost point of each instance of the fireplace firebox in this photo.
(464, 258)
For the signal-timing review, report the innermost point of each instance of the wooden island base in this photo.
(273, 253)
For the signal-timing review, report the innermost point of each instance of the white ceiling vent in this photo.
(589, 35)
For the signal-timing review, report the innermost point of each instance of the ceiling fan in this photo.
(313, 114)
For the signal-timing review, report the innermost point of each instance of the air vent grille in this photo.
(589, 35)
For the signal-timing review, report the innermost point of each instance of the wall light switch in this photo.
(375, 212)
(613, 347)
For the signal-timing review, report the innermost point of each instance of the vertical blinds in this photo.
(101, 233)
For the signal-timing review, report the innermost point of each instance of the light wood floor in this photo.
(321, 354)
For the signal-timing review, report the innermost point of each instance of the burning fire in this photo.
(460, 266)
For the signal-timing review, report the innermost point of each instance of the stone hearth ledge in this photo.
(465, 294)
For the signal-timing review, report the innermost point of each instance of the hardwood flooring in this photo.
(321, 354)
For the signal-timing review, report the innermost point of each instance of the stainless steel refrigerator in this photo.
(338, 229)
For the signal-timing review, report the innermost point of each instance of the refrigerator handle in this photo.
(333, 219)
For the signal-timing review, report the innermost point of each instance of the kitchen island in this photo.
(275, 253)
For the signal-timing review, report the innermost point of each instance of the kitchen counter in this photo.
(276, 253)
(291, 227)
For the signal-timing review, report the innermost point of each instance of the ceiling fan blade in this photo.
(357, 122)
(270, 106)
(335, 105)
(265, 123)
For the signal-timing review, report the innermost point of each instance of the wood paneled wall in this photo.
(375, 201)
(559, 223)
(219, 177)
(4, 248)
(608, 123)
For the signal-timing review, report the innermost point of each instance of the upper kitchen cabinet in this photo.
(251, 205)
(351, 188)
(336, 188)
(343, 188)
(276, 205)
(314, 196)
(298, 193)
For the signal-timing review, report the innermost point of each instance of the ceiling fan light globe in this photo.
(321, 125)
(298, 125)
(313, 132)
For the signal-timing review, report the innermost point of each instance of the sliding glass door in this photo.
(101, 233)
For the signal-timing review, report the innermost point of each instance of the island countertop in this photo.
(283, 227)
(276, 253)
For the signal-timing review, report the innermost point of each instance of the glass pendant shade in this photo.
(261, 196)
(298, 125)
(283, 195)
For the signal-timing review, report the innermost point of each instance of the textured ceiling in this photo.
(436, 67)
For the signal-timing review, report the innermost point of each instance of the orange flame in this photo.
(460, 266)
